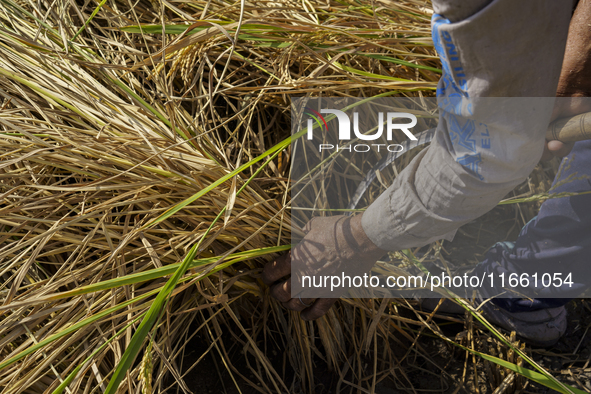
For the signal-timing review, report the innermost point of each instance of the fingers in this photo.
(546, 155)
(318, 309)
(556, 148)
(282, 291)
(277, 269)
(295, 304)
(560, 149)
(275, 272)
(311, 310)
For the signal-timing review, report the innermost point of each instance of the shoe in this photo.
(543, 327)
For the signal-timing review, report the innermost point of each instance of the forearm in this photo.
(440, 190)
(482, 151)
(575, 78)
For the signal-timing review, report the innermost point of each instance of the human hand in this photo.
(565, 107)
(332, 245)
(575, 77)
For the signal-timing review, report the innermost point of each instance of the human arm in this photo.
(501, 68)
(575, 76)
(331, 245)
(462, 175)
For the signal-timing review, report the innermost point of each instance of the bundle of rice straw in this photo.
(144, 158)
